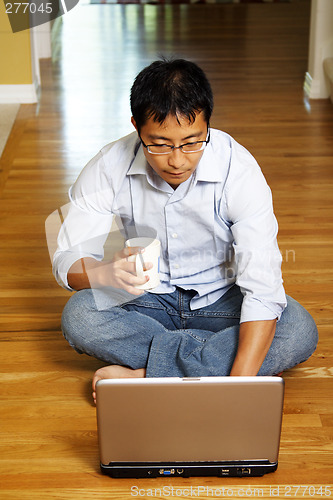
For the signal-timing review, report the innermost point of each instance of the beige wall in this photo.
(15, 53)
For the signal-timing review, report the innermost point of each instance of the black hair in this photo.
(177, 87)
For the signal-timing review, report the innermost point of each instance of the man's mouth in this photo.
(176, 174)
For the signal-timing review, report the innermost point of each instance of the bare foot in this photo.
(115, 371)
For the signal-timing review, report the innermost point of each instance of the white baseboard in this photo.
(328, 68)
(19, 93)
(316, 88)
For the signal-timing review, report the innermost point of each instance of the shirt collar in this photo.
(211, 167)
(139, 164)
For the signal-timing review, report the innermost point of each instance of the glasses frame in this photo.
(172, 148)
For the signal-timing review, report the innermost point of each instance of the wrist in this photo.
(85, 273)
(244, 368)
(254, 342)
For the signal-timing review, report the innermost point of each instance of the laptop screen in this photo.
(189, 420)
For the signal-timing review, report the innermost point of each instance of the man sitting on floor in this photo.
(220, 308)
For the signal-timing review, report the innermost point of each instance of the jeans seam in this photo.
(181, 310)
(199, 339)
(212, 314)
(193, 352)
(151, 306)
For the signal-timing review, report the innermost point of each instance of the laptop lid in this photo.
(189, 421)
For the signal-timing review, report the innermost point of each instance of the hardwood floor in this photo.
(256, 58)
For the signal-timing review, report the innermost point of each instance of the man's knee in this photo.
(300, 329)
(76, 314)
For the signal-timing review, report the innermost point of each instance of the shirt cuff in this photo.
(255, 309)
(62, 265)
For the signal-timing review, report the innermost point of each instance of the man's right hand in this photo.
(117, 273)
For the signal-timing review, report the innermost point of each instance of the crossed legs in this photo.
(159, 335)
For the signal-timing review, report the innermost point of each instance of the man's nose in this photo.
(176, 158)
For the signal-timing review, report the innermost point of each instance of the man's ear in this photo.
(134, 124)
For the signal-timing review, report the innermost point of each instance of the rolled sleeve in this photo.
(82, 234)
(259, 277)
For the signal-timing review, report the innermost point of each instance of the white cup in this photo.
(151, 254)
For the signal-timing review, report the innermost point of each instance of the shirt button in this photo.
(176, 266)
(174, 235)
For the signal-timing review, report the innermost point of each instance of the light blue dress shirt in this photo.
(216, 229)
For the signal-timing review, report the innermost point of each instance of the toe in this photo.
(97, 376)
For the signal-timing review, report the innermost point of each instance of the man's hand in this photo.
(255, 338)
(118, 273)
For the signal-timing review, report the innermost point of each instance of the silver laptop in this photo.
(209, 426)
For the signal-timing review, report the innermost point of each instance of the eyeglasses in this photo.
(165, 149)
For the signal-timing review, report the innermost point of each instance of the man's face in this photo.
(175, 167)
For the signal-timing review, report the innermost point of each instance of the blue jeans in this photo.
(161, 333)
